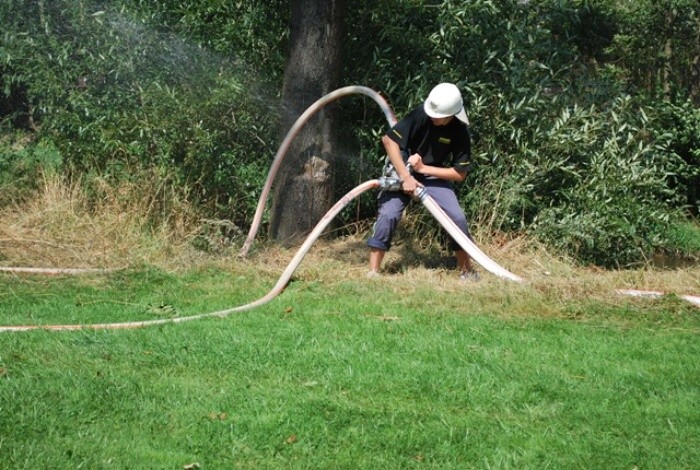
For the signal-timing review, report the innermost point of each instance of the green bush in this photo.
(114, 93)
(22, 163)
(190, 88)
(679, 125)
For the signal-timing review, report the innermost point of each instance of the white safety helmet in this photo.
(445, 100)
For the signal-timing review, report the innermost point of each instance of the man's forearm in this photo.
(449, 174)
(393, 151)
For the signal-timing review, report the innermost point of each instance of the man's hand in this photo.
(409, 185)
(416, 161)
(447, 174)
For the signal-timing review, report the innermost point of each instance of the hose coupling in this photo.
(387, 183)
(391, 181)
(420, 193)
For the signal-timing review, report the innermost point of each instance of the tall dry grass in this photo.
(150, 220)
(416, 262)
(79, 223)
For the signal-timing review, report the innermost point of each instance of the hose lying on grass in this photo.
(282, 282)
(53, 271)
(439, 214)
(693, 299)
(274, 292)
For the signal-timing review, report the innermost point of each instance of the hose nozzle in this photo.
(387, 183)
(391, 181)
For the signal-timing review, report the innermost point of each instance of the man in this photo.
(434, 139)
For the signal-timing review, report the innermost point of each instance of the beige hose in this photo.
(53, 271)
(461, 238)
(274, 292)
(693, 299)
(284, 146)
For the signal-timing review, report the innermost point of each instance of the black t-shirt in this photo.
(416, 133)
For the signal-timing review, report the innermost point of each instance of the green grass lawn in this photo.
(351, 374)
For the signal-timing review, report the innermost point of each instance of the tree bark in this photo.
(668, 54)
(304, 190)
(695, 67)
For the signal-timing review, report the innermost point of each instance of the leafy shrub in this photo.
(616, 204)
(22, 162)
(115, 94)
(656, 47)
(679, 125)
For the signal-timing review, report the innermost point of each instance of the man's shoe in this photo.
(373, 274)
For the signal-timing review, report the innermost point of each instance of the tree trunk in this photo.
(695, 66)
(304, 190)
(668, 54)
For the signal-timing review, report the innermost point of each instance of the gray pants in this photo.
(392, 204)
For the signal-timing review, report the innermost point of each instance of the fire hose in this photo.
(274, 292)
(384, 183)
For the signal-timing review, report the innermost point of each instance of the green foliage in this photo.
(251, 33)
(656, 46)
(590, 25)
(22, 164)
(561, 151)
(594, 184)
(113, 92)
(399, 66)
(680, 126)
(639, 174)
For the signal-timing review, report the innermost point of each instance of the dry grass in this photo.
(550, 281)
(72, 225)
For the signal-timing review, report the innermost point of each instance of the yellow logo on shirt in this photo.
(444, 140)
